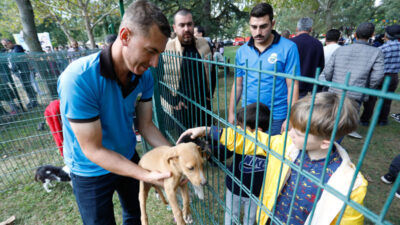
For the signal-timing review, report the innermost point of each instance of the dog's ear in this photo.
(172, 154)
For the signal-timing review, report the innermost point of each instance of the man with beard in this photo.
(186, 77)
(266, 48)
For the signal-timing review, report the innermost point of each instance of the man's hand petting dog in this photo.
(157, 178)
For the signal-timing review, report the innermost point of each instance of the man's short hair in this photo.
(324, 114)
(393, 32)
(305, 24)
(261, 10)
(141, 15)
(251, 113)
(333, 35)
(365, 30)
(201, 30)
(182, 12)
(110, 38)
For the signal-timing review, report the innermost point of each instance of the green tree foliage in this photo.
(9, 19)
(220, 18)
(327, 14)
(386, 15)
(78, 15)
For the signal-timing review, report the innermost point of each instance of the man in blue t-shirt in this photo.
(99, 95)
(266, 49)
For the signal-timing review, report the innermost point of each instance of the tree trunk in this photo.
(89, 31)
(28, 24)
(206, 16)
(88, 27)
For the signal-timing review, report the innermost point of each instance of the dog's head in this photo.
(187, 159)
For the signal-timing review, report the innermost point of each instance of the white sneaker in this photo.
(397, 194)
(355, 135)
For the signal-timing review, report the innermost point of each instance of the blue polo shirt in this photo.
(284, 54)
(89, 90)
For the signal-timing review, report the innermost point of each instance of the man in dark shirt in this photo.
(311, 53)
(185, 77)
(21, 68)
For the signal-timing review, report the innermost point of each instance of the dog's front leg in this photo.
(187, 216)
(143, 194)
(170, 190)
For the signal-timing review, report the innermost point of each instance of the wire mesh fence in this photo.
(188, 92)
(187, 99)
(28, 83)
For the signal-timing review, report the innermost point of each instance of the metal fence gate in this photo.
(28, 85)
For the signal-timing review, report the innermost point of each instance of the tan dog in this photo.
(183, 161)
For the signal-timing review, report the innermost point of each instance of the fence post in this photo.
(158, 115)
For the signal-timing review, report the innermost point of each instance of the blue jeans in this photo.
(94, 197)
(276, 126)
(249, 218)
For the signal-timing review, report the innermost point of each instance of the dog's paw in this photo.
(188, 219)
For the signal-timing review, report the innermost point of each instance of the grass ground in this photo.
(32, 205)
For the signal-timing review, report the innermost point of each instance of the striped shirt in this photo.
(391, 52)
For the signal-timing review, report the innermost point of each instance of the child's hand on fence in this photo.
(180, 106)
(194, 133)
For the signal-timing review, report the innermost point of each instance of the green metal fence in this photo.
(28, 84)
(169, 76)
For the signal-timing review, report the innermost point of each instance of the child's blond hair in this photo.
(324, 114)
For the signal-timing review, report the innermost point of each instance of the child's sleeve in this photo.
(352, 216)
(234, 141)
(231, 139)
(218, 149)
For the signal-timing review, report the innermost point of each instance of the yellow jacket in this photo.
(328, 207)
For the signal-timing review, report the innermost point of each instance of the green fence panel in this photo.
(167, 76)
(28, 83)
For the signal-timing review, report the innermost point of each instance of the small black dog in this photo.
(48, 173)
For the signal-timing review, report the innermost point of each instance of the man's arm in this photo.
(89, 136)
(234, 101)
(146, 126)
(327, 73)
(377, 72)
(295, 90)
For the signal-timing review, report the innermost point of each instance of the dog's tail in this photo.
(36, 176)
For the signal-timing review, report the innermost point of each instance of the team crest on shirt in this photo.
(273, 58)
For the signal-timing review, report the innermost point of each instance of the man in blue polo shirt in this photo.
(98, 97)
(267, 49)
